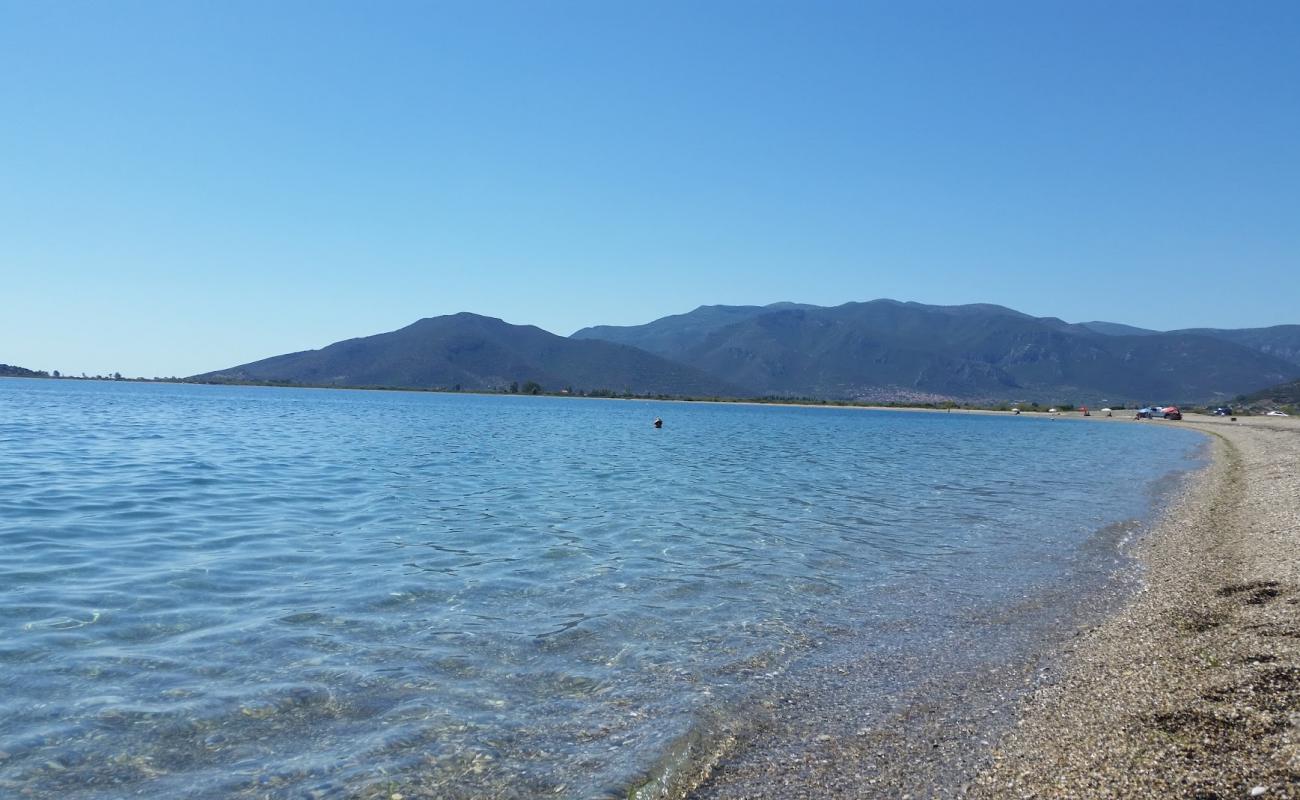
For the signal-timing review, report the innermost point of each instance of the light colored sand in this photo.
(1193, 690)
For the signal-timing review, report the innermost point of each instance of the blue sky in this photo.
(189, 185)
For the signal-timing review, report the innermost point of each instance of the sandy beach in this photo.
(1188, 687)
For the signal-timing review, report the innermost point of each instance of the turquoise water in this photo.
(251, 592)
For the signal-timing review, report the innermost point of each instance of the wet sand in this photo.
(1189, 687)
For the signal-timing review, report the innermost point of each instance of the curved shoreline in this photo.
(1189, 687)
(1193, 689)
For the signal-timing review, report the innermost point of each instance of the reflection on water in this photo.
(244, 592)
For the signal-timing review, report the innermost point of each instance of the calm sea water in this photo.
(243, 592)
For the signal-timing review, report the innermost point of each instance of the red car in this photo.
(1173, 413)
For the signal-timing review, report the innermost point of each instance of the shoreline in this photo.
(1193, 689)
(1073, 413)
(1187, 686)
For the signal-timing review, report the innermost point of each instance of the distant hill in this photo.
(875, 351)
(1281, 395)
(10, 371)
(672, 336)
(479, 353)
(1282, 341)
(885, 349)
(1117, 329)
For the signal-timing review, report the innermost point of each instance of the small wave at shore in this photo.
(446, 593)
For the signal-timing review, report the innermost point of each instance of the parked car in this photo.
(1172, 412)
(1223, 411)
(1277, 414)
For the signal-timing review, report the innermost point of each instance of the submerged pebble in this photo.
(429, 590)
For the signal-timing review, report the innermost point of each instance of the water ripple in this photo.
(240, 592)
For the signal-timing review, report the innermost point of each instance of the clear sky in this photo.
(185, 186)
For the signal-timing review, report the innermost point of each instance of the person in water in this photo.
(659, 423)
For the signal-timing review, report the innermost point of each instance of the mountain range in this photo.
(882, 350)
(476, 353)
(890, 350)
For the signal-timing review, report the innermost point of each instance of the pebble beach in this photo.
(1193, 689)
(1187, 686)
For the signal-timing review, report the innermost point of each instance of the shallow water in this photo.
(236, 591)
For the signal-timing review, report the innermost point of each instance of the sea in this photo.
(255, 592)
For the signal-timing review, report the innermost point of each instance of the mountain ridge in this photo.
(471, 351)
(876, 350)
(886, 349)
